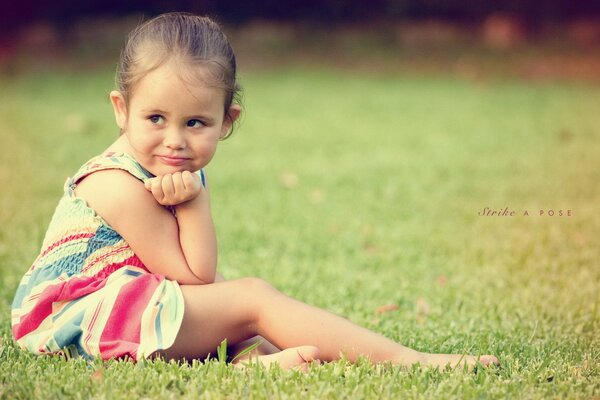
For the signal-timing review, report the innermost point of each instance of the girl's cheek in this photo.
(141, 141)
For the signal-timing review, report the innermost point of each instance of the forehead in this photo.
(172, 87)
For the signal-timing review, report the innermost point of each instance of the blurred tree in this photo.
(17, 13)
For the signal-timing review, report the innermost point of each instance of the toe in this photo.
(309, 353)
(488, 360)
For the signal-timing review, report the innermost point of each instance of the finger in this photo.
(148, 184)
(190, 180)
(178, 185)
(156, 188)
(167, 185)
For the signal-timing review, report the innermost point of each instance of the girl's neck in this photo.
(121, 145)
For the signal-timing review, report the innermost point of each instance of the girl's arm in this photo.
(192, 210)
(182, 249)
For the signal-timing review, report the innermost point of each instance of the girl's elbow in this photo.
(210, 279)
(206, 276)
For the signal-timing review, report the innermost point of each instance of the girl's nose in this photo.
(174, 140)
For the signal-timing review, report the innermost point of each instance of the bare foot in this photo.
(294, 357)
(457, 360)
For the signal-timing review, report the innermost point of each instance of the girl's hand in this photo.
(174, 189)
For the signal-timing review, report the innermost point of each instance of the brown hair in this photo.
(190, 41)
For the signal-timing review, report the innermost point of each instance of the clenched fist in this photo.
(174, 189)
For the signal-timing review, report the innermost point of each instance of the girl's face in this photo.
(171, 126)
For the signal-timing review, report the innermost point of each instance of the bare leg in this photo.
(265, 348)
(227, 310)
(240, 309)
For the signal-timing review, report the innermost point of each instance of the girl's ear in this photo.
(120, 108)
(232, 115)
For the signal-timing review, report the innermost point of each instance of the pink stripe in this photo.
(33, 296)
(90, 327)
(105, 256)
(65, 240)
(74, 288)
(121, 334)
(42, 309)
(132, 261)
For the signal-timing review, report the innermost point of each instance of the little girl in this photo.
(128, 265)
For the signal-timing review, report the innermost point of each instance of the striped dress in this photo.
(87, 293)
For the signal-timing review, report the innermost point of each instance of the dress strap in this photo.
(106, 161)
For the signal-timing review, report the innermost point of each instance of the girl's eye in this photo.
(195, 123)
(156, 119)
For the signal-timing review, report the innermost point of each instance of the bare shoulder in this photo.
(109, 184)
(114, 194)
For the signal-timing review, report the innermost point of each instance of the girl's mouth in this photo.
(173, 161)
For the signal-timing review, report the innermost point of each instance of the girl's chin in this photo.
(157, 168)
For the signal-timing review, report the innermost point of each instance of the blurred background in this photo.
(554, 39)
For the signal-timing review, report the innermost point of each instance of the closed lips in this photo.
(173, 160)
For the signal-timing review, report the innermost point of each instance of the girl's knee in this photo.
(255, 294)
(256, 286)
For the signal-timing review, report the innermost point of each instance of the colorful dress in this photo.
(87, 292)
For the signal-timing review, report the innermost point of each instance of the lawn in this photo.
(352, 192)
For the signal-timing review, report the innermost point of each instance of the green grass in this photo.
(351, 192)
